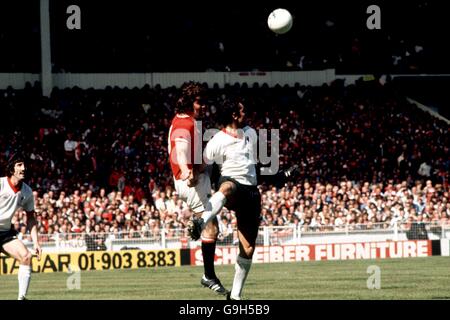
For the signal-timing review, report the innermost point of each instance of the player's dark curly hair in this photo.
(228, 109)
(12, 160)
(189, 92)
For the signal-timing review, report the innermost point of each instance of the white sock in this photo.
(242, 267)
(213, 207)
(24, 280)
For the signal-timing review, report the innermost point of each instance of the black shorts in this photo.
(7, 236)
(246, 202)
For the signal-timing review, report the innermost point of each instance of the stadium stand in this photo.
(98, 158)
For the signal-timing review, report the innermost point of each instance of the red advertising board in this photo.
(318, 252)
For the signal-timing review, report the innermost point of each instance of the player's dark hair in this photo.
(229, 108)
(189, 92)
(13, 159)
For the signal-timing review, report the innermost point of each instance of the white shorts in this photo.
(195, 197)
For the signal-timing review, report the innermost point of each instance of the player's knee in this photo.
(25, 257)
(247, 252)
(211, 231)
(227, 188)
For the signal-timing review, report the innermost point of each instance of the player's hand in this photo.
(185, 175)
(38, 252)
(192, 182)
(293, 172)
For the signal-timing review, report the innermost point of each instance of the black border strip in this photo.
(185, 257)
(436, 247)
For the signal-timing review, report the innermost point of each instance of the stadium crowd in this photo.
(316, 207)
(98, 158)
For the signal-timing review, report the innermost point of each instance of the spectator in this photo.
(347, 141)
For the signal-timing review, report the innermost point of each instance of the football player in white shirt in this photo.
(14, 194)
(234, 150)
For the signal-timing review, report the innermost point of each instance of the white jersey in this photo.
(11, 199)
(235, 154)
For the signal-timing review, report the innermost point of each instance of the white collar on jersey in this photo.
(183, 115)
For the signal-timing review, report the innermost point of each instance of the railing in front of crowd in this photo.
(267, 235)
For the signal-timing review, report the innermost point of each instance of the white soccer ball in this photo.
(280, 21)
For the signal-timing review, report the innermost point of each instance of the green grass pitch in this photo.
(410, 278)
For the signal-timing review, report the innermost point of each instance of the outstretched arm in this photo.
(278, 179)
(268, 175)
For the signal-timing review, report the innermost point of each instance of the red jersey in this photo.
(183, 128)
